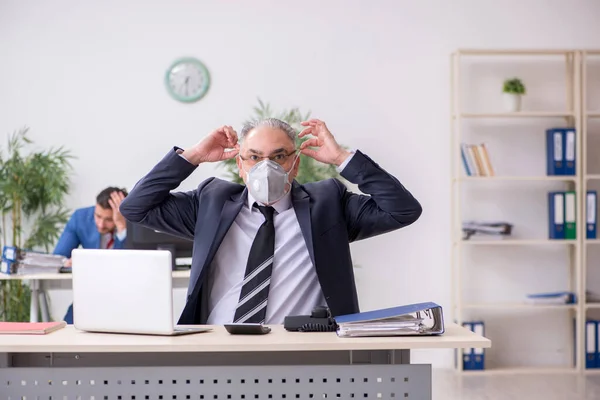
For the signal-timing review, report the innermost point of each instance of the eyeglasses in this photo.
(279, 158)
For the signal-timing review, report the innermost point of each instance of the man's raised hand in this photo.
(221, 144)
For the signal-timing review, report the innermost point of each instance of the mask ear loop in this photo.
(287, 174)
(242, 164)
(295, 159)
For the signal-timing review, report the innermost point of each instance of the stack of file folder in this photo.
(27, 262)
(552, 298)
(486, 230)
(592, 296)
(412, 319)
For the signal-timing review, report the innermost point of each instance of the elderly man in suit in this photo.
(271, 247)
(101, 226)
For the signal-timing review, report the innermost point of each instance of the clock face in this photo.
(187, 80)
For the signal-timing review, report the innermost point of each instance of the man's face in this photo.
(264, 141)
(104, 219)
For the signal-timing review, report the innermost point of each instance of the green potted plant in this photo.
(513, 90)
(33, 185)
(310, 170)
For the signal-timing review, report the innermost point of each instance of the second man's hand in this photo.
(214, 147)
(115, 202)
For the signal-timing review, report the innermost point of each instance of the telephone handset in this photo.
(320, 320)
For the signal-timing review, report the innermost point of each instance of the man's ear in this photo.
(239, 165)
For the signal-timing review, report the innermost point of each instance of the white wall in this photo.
(90, 76)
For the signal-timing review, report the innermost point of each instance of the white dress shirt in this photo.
(104, 239)
(294, 287)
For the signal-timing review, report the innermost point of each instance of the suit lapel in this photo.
(219, 226)
(301, 203)
(230, 210)
(218, 230)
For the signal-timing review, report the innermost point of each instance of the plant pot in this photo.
(512, 102)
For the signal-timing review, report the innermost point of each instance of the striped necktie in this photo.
(252, 306)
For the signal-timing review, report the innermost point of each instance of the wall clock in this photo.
(187, 80)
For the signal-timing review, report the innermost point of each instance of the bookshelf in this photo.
(590, 120)
(484, 288)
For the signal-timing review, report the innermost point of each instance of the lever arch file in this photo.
(570, 215)
(412, 319)
(590, 214)
(556, 215)
(569, 150)
(554, 152)
(591, 344)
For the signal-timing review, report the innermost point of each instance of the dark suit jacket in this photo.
(330, 218)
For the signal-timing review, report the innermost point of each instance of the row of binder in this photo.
(562, 210)
(560, 151)
(592, 356)
(473, 358)
(562, 214)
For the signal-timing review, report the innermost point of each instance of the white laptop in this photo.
(125, 291)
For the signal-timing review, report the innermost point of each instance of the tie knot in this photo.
(267, 211)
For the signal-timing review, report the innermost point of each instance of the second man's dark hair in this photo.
(103, 196)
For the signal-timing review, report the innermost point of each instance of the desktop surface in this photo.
(218, 339)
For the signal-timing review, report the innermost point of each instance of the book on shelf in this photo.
(30, 328)
(476, 160)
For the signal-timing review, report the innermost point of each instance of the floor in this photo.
(447, 385)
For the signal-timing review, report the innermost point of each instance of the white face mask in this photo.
(267, 181)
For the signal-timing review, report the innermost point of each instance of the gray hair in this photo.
(271, 123)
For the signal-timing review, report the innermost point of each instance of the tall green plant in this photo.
(310, 170)
(33, 185)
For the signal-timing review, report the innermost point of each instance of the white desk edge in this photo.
(68, 276)
(70, 340)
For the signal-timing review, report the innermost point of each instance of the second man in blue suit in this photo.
(101, 226)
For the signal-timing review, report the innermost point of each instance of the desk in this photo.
(38, 293)
(216, 365)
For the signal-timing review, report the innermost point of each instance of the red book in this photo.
(30, 328)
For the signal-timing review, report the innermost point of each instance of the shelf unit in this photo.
(588, 116)
(576, 115)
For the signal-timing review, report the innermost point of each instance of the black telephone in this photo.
(320, 320)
